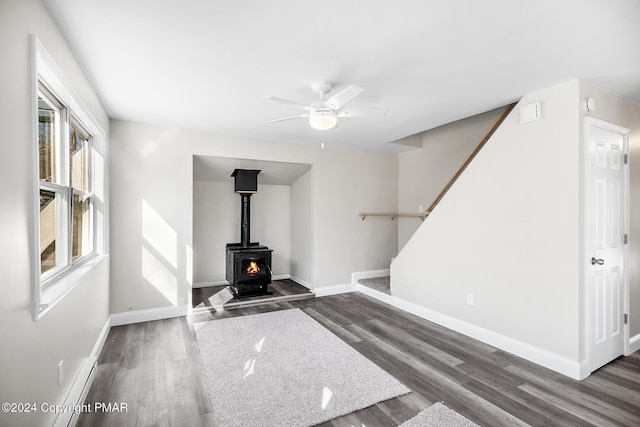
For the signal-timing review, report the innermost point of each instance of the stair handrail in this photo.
(393, 215)
(483, 141)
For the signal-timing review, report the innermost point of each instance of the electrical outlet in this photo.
(60, 372)
(469, 299)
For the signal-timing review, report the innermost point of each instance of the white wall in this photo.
(30, 349)
(216, 222)
(508, 232)
(271, 223)
(152, 166)
(346, 182)
(424, 172)
(302, 228)
(214, 225)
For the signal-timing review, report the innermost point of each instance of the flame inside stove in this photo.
(253, 268)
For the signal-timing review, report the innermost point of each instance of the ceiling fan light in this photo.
(322, 120)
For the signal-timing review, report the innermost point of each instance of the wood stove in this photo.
(248, 263)
(248, 269)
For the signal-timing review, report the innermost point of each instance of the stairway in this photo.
(380, 284)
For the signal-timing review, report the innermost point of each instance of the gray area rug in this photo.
(439, 415)
(283, 368)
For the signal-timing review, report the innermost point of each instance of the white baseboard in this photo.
(299, 281)
(634, 344)
(209, 283)
(584, 370)
(148, 315)
(553, 361)
(375, 294)
(82, 382)
(368, 275)
(323, 291)
(102, 338)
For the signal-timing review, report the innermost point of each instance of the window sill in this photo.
(57, 290)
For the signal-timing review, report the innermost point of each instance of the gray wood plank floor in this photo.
(154, 367)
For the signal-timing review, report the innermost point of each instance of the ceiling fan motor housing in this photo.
(321, 88)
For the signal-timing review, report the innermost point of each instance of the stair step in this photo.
(380, 284)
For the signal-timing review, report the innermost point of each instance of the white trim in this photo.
(102, 338)
(584, 370)
(45, 68)
(553, 361)
(368, 275)
(633, 344)
(37, 305)
(586, 231)
(375, 294)
(55, 78)
(149, 315)
(324, 291)
(82, 382)
(51, 295)
(209, 283)
(299, 281)
(607, 125)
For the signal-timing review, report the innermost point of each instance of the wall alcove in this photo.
(281, 216)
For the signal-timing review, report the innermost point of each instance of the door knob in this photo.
(598, 261)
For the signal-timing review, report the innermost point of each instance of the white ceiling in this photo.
(207, 64)
(219, 169)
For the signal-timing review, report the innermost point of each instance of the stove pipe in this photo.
(245, 219)
(246, 184)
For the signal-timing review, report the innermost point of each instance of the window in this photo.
(82, 206)
(65, 172)
(69, 172)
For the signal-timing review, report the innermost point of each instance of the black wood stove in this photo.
(248, 263)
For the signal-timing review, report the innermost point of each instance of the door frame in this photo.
(588, 236)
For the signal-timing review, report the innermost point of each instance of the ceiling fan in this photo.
(324, 114)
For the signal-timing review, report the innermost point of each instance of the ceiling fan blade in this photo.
(343, 97)
(286, 101)
(299, 116)
(362, 112)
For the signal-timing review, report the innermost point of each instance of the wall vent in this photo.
(530, 112)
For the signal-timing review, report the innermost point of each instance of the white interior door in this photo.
(606, 250)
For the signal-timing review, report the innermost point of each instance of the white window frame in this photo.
(75, 122)
(49, 288)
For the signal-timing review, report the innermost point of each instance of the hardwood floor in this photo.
(154, 367)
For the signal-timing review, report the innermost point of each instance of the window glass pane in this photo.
(81, 243)
(48, 230)
(47, 128)
(79, 153)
